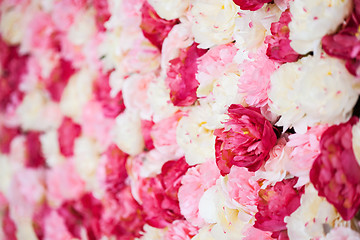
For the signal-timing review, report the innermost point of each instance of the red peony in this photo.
(154, 28)
(245, 141)
(111, 106)
(276, 202)
(279, 48)
(336, 172)
(181, 76)
(251, 5)
(346, 44)
(67, 133)
(34, 156)
(159, 194)
(7, 135)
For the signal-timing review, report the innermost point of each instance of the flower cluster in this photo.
(179, 119)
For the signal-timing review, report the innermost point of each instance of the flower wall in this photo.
(179, 119)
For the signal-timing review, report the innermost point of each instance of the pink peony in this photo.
(342, 233)
(154, 28)
(102, 13)
(279, 48)
(181, 77)
(245, 141)
(8, 226)
(35, 157)
(345, 44)
(252, 233)
(305, 149)
(67, 133)
(255, 81)
(58, 79)
(335, 172)
(180, 230)
(54, 227)
(84, 212)
(243, 189)
(276, 202)
(111, 106)
(7, 135)
(159, 194)
(251, 5)
(146, 126)
(194, 183)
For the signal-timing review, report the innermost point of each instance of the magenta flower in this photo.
(159, 194)
(35, 157)
(154, 28)
(251, 5)
(336, 172)
(67, 133)
(245, 141)
(7, 135)
(181, 76)
(346, 44)
(275, 203)
(279, 48)
(102, 13)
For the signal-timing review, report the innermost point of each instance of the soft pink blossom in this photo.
(181, 77)
(304, 150)
(54, 228)
(67, 134)
(63, 183)
(154, 28)
(279, 48)
(65, 12)
(276, 202)
(252, 233)
(255, 81)
(245, 141)
(335, 171)
(96, 125)
(243, 189)
(180, 230)
(342, 233)
(194, 183)
(251, 5)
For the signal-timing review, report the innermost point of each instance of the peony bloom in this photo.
(159, 194)
(345, 43)
(276, 202)
(279, 48)
(335, 172)
(342, 233)
(7, 135)
(154, 28)
(180, 230)
(251, 5)
(102, 13)
(67, 134)
(181, 76)
(245, 141)
(35, 157)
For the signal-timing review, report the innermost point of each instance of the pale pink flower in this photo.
(194, 183)
(54, 228)
(252, 233)
(180, 230)
(304, 149)
(342, 233)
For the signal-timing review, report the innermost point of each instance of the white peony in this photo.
(50, 148)
(313, 19)
(307, 221)
(170, 9)
(83, 28)
(311, 91)
(213, 21)
(127, 133)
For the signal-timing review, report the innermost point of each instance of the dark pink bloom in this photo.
(115, 169)
(123, 217)
(335, 172)
(251, 5)
(85, 213)
(146, 127)
(58, 79)
(35, 157)
(111, 106)
(245, 141)
(159, 194)
(7, 135)
(8, 226)
(279, 48)
(67, 133)
(276, 202)
(154, 28)
(346, 44)
(102, 13)
(13, 66)
(181, 76)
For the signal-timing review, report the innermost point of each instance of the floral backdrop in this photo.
(179, 119)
